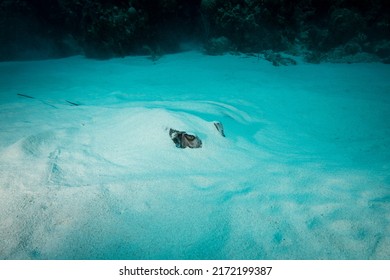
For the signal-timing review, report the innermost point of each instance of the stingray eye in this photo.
(189, 137)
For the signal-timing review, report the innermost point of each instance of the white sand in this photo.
(303, 173)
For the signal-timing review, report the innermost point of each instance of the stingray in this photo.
(183, 140)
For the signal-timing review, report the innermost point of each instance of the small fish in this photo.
(31, 97)
(25, 95)
(72, 103)
(219, 127)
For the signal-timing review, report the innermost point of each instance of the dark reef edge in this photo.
(340, 31)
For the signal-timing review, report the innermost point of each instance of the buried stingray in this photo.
(183, 140)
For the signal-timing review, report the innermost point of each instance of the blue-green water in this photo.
(303, 172)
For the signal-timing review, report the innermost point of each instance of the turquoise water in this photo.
(303, 172)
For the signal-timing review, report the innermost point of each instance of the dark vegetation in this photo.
(319, 30)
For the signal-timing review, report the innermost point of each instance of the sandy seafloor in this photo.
(303, 172)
